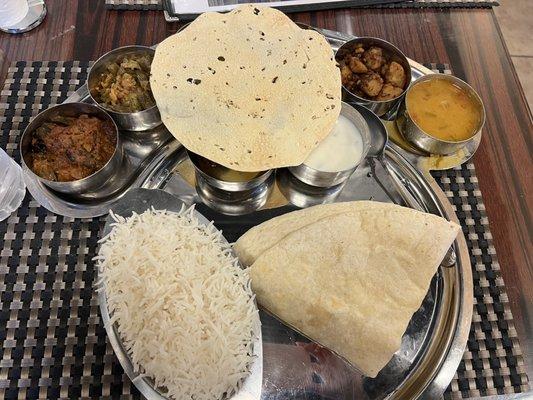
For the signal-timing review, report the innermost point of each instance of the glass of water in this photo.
(12, 187)
(19, 16)
(12, 12)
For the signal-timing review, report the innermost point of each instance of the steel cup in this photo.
(136, 121)
(379, 107)
(199, 163)
(231, 197)
(315, 177)
(423, 140)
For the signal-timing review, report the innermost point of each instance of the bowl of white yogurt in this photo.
(335, 159)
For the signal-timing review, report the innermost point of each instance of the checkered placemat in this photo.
(158, 4)
(52, 344)
(492, 363)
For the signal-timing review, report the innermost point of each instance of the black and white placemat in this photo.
(157, 4)
(52, 344)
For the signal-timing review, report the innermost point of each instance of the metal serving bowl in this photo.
(383, 106)
(234, 203)
(423, 140)
(89, 183)
(202, 166)
(137, 121)
(303, 195)
(243, 195)
(314, 177)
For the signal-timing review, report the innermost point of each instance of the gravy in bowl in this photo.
(444, 110)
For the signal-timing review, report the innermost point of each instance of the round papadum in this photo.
(248, 89)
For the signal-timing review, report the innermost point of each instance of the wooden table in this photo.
(469, 40)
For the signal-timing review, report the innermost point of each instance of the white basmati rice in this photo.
(183, 306)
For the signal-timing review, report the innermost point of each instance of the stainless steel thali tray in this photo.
(293, 369)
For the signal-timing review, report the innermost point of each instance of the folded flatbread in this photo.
(262, 237)
(352, 281)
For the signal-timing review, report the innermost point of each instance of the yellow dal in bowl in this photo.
(444, 110)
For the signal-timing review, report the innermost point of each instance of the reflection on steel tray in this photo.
(435, 339)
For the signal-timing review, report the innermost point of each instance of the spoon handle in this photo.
(372, 163)
(400, 187)
(450, 257)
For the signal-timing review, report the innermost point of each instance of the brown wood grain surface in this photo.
(467, 39)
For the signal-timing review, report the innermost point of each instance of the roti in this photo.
(262, 237)
(249, 89)
(352, 281)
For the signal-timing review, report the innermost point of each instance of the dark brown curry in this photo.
(70, 148)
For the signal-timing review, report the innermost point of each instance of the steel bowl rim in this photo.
(246, 185)
(399, 53)
(470, 89)
(101, 60)
(317, 171)
(236, 186)
(50, 183)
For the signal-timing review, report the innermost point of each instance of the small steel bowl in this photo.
(303, 195)
(383, 106)
(89, 183)
(234, 203)
(137, 121)
(205, 167)
(423, 140)
(241, 196)
(314, 177)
